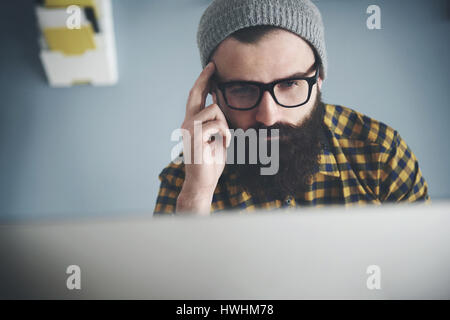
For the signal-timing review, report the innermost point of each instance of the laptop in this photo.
(363, 252)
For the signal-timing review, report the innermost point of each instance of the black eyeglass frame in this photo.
(263, 87)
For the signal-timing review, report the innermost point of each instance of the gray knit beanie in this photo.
(223, 17)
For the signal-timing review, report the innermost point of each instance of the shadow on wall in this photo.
(23, 56)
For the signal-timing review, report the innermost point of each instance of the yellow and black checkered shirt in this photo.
(362, 161)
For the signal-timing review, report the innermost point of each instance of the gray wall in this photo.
(88, 151)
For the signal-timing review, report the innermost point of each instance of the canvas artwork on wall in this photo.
(77, 43)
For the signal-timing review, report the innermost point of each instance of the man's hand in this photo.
(204, 147)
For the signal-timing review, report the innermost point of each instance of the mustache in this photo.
(282, 126)
(279, 129)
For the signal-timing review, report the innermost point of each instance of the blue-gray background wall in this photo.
(91, 151)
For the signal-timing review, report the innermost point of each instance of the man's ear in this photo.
(319, 83)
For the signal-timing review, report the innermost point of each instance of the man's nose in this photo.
(268, 109)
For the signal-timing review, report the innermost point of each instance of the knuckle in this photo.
(219, 111)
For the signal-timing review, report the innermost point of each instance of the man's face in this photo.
(278, 55)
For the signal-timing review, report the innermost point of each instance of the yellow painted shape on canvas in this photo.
(66, 3)
(70, 41)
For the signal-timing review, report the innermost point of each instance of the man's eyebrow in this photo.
(295, 75)
(302, 74)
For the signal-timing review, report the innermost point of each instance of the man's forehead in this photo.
(269, 59)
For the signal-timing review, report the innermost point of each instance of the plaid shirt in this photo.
(362, 161)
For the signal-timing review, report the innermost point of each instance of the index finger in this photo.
(198, 93)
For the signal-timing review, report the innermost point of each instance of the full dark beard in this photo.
(299, 149)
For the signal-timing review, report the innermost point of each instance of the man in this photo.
(265, 62)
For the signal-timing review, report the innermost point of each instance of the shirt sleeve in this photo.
(401, 177)
(172, 178)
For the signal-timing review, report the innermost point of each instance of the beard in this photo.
(299, 150)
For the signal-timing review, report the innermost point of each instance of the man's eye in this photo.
(240, 90)
(288, 84)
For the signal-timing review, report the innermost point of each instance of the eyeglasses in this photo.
(288, 93)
